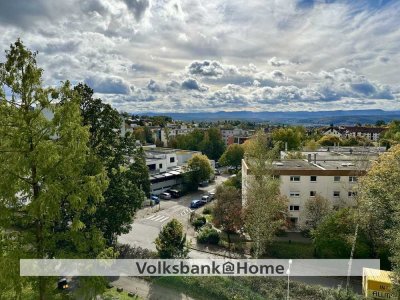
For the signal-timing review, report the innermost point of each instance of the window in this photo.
(353, 179)
(313, 178)
(172, 159)
(352, 194)
(313, 193)
(294, 194)
(294, 208)
(152, 167)
(160, 166)
(336, 194)
(295, 178)
(336, 178)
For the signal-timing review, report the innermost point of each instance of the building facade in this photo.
(330, 175)
(166, 167)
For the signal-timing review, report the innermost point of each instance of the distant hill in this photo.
(292, 117)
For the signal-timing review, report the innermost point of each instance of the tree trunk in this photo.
(229, 243)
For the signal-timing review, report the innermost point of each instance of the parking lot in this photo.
(149, 220)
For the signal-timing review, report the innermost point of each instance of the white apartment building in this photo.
(163, 134)
(369, 133)
(228, 135)
(166, 167)
(332, 176)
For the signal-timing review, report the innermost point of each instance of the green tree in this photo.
(125, 165)
(334, 236)
(171, 242)
(227, 211)
(392, 134)
(265, 208)
(232, 156)
(198, 169)
(234, 181)
(293, 136)
(44, 170)
(380, 123)
(209, 142)
(329, 140)
(379, 193)
(212, 144)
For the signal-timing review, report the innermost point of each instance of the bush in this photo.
(290, 250)
(199, 222)
(207, 211)
(208, 235)
(254, 288)
(129, 252)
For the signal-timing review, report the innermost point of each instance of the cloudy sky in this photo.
(212, 55)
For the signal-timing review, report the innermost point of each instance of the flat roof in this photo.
(302, 164)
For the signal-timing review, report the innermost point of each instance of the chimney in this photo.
(315, 158)
(309, 157)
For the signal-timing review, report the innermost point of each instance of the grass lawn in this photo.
(207, 288)
(112, 294)
(290, 250)
(251, 288)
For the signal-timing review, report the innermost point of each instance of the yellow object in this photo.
(377, 284)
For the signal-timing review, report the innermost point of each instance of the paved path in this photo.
(148, 290)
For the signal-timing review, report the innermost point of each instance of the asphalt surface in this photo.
(149, 221)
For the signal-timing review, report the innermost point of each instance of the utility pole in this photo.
(288, 279)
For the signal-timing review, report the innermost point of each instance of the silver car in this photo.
(165, 196)
(206, 198)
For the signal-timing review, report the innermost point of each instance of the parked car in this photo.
(62, 284)
(175, 193)
(195, 204)
(203, 183)
(232, 170)
(212, 195)
(206, 198)
(165, 196)
(155, 199)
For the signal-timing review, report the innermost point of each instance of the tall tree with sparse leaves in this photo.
(264, 208)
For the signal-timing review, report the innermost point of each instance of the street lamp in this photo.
(288, 278)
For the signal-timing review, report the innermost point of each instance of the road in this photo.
(149, 221)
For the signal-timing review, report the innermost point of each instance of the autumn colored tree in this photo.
(227, 211)
(315, 210)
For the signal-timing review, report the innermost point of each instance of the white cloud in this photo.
(198, 55)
